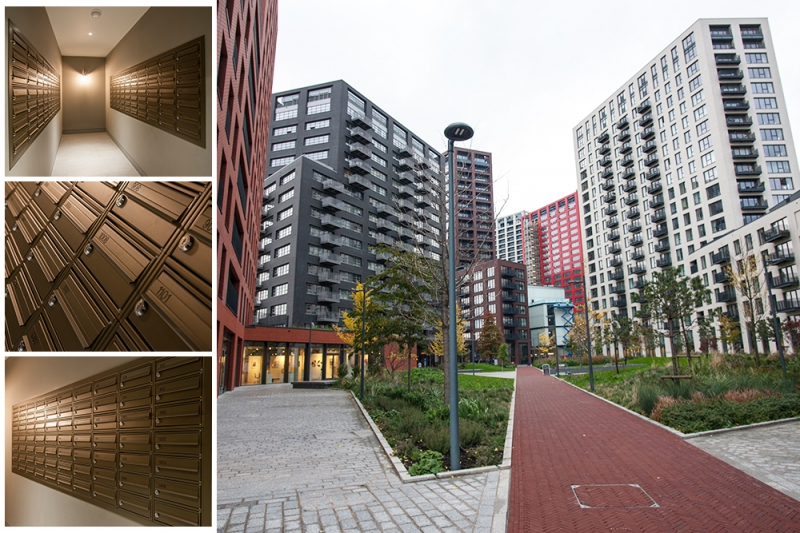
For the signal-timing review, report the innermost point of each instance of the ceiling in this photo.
(72, 26)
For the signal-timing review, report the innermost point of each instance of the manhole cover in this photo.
(601, 496)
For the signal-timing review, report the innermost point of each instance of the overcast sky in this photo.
(521, 73)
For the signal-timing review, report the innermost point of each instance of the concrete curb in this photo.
(686, 436)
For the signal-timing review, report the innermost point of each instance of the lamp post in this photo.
(363, 334)
(473, 353)
(457, 131)
(307, 371)
(773, 304)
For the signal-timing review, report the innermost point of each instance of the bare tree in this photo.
(746, 280)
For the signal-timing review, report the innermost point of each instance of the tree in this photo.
(437, 344)
(621, 332)
(576, 338)
(729, 332)
(708, 333)
(545, 343)
(373, 340)
(792, 329)
(502, 354)
(765, 333)
(668, 300)
(746, 280)
(491, 337)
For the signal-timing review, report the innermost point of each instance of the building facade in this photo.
(246, 38)
(343, 178)
(553, 247)
(497, 287)
(696, 143)
(508, 233)
(550, 313)
(474, 207)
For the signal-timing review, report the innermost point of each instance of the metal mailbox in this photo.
(136, 397)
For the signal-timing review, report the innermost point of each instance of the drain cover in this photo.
(602, 496)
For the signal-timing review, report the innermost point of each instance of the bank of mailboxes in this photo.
(136, 440)
(34, 93)
(166, 91)
(108, 266)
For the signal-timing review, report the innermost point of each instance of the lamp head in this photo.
(459, 131)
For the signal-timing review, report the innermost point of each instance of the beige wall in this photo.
(83, 97)
(38, 160)
(156, 152)
(33, 504)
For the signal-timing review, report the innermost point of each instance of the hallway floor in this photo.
(90, 154)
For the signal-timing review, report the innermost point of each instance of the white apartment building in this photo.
(695, 144)
(508, 235)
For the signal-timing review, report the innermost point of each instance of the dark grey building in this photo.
(342, 178)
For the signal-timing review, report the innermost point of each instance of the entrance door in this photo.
(222, 363)
(332, 361)
(276, 363)
(252, 363)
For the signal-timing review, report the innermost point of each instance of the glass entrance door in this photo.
(252, 363)
(332, 361)
(276, 363)
(221, 364)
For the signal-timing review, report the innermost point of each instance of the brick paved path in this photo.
(306, 460)
(569, 445)
(768, 453)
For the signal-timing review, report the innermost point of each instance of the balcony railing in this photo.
(784, 281)
(789, 305)
(776, 234)
(726, 296)
(721, 257)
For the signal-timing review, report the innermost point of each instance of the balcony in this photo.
(722, 276)
(654, 188)
(721, 257)
(740, 121)
(662, 246)
(784, 281)
(660, 230)
(644, 107)
(753, 204)
(614, 249)
(613, 222)
(648, 133)
(629, 186)
(639, 297)
(358, 150)
(657, 201)
(649, 147)
(633, 213)
(732, 89)
(646, 120)
(776, 234)
(627, 161)
(606, 148)
(744, 153)
(726, 296)
(664, 262)
(721, 35)
(638, 254)
(780, 257)
(653, 173)
(360, 135)
(730, 74)
(329, 258)
(327, 297)
(727, 59)
(637, 240)
(659, 216)
(617, 274)
(332, 186)
(262, 283)
(265, 209)
(326, 239)
(329, 278)
(404, 205)
(610, 197)
(359, 167)
(651, 160)
(737, 106)
(507, 272)
(620, 301)
(333, 204)
(507, 297)
(404, 163)
(628, 174)
(752, 35)
(607, 185)
(406, 178)
(789, 305)
(324, 317)
(747, 170)
(403, 150)
(610, 210)
(626, 148)
(742, 137)
(404, 191)
(384, 210)
(615, 263)
(614, 235)
(639, 283)
(606, 161)
(623, 123)
(638, 269)
(624, 135)
(732, 314)
(603, 137)
(607, 173)
(333, 221)
(634, 227)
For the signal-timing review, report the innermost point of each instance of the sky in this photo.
(522, 73)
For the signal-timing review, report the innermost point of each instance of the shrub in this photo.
(430, 462)
(646, 398)
(746, 395)
(663, 403)
(436, 437)
(470, 433)
(412, 421)
(691, 417)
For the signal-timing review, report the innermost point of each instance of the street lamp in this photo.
(773, 305)
(457, 131)
(307, 371)
(363, 334)
(582, 282)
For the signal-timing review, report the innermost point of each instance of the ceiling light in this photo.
(90, 33)
(96, 14)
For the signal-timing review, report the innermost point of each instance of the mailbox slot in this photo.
(132, 462)
(136, 376)
(136, 419)
(188, 414)
(177, 366)
(134, 503)
(135, 397)
(105, 494)
(179, 443)
(134, 442)
(135, 483)
(180, 389)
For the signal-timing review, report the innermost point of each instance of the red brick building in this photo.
(246, 38)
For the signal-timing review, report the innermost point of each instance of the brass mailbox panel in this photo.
(108, 266)
(135, 440)
(166, 91)
(34, 93)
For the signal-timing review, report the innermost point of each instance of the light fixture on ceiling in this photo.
(96, 14)
(90, 34)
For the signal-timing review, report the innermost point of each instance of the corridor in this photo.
(91, 154)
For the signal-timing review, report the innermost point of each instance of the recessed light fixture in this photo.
(96, 14)
(90, 33)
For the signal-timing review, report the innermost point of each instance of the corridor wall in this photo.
(83, 96)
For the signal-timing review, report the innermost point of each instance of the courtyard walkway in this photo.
(305, 460)
(583, 465)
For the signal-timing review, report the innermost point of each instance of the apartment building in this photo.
(508, 233)
(694, 144)
(474, 207)
(552, 247)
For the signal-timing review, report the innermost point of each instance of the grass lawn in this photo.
(725, 391)
(417, 424)
(486, 367)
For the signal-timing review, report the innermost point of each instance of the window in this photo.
(286, 213)
(718, 225)
(283, 250)
(283, 232)
(319, 124)
(695, 83)
(772, 134)
(288, 145)
(756, 58)
(755, 73)
(283, 115)
(286, 196)
(702, 128)
(781, 184)
(710, 175)
(707, 159)
(280, 270)
(697, 97)
(769, 118)
(281, 161)
(704, 143)
(316, 156)
(277, 132)
(766, 103)
(319, 139)
(280, 290)
(778, 167)
(318, 108)
(287, 178)
(700, 112)
(765, 87)
(381, 161)
(775, 150)
(278, 310)
(692, 69)
(715, 208)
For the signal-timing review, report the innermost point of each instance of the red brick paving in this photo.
(565, 437)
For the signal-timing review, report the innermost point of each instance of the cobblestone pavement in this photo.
(306, 460)
(769, 453)
(581, 465)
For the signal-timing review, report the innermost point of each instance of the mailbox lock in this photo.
(158, 374)
(122, 404)
(52, 301)
(14, 227)
(21, 347)
(186, 243)
(120, 503)
(57, 215)
(158, 469)
(158, 446)
(121, 465)
(158, 396)
(157, 515)
(121, 424)
(38, 192)
(121, 200)
(121, 445)
(88, 249)
(141, 307)
(94, 444)
(120, 484)
(30, 257)
(158, 420)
